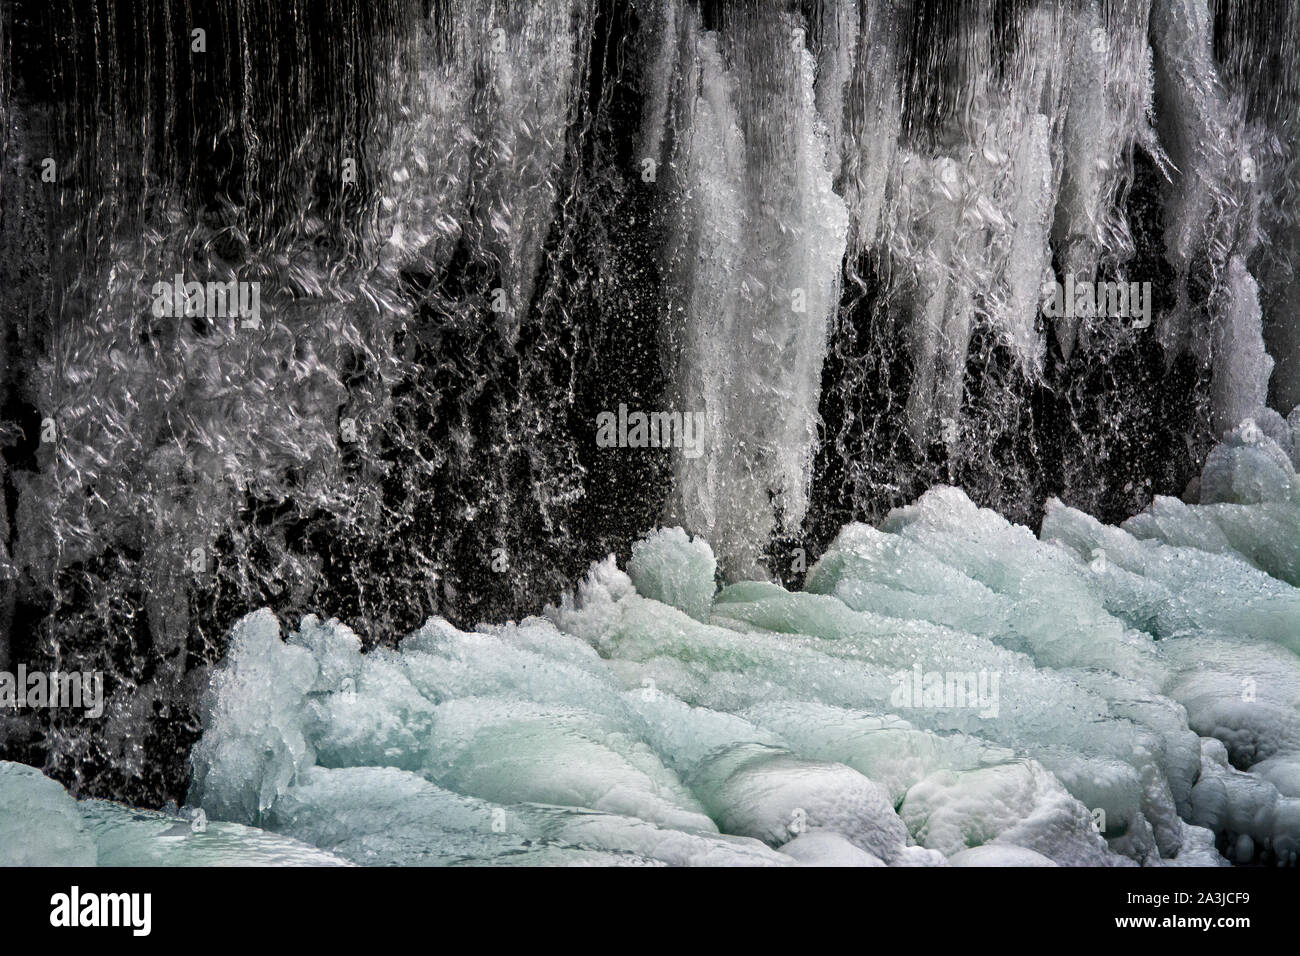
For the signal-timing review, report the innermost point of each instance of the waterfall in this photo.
(319, 307)
(755, 264)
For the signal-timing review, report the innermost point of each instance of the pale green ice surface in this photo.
(42, 825)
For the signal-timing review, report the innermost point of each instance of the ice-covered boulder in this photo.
(40, 824)
(254, 719)
(996, 854)
(1248, 467)
(774, 796)
(1019, 804)
(670, 566)
(828, 848)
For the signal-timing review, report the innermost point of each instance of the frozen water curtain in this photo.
(688, 431)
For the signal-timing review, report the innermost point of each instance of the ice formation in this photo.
(755, 260)
(823, 228)
(42, 825)
(1145, 707)
(949, 689)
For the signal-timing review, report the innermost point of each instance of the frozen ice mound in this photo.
(671, 567)
(1174, 591)
(950, 688)
(869, 569)
(1283, 772)
(885, 748)
(1249, 501)
(381, 815)
(1249, 467)
(41, 824)
(1243, 694)
(828, 848)
(516, 751)
(994, 854)
(1245, 809)
(387, 816)
(255, 710)
(1018, 803)
(125, 836)
(774, 796)
(1266, 535)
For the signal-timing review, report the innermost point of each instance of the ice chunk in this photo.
(1171, 591)
(335, 647)
(687, 735)
(780, 651)
(1235, 804)
(375, 718)
(660, 844)
(1282, 771)
(254, 715)
(129, 837)
(379, 815)
(670, 566)
(919, 856)
(40, 824)
(1248, 467)
(885, 748)
(870, 570)
(1036, 577)
(1266, 535)
(532, 660)
(516, 751)
(1197, 850)
(828, 848)
(1113, 792)
(1244, 694)
(996, 854)
(592, 611)
(774, 796)
(385, 816)
(1019, 804)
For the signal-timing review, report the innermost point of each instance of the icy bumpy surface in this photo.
(950, 689)
(671, 567)
(42, 825)
(39, 822)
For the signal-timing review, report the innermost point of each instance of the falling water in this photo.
(825, 230)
